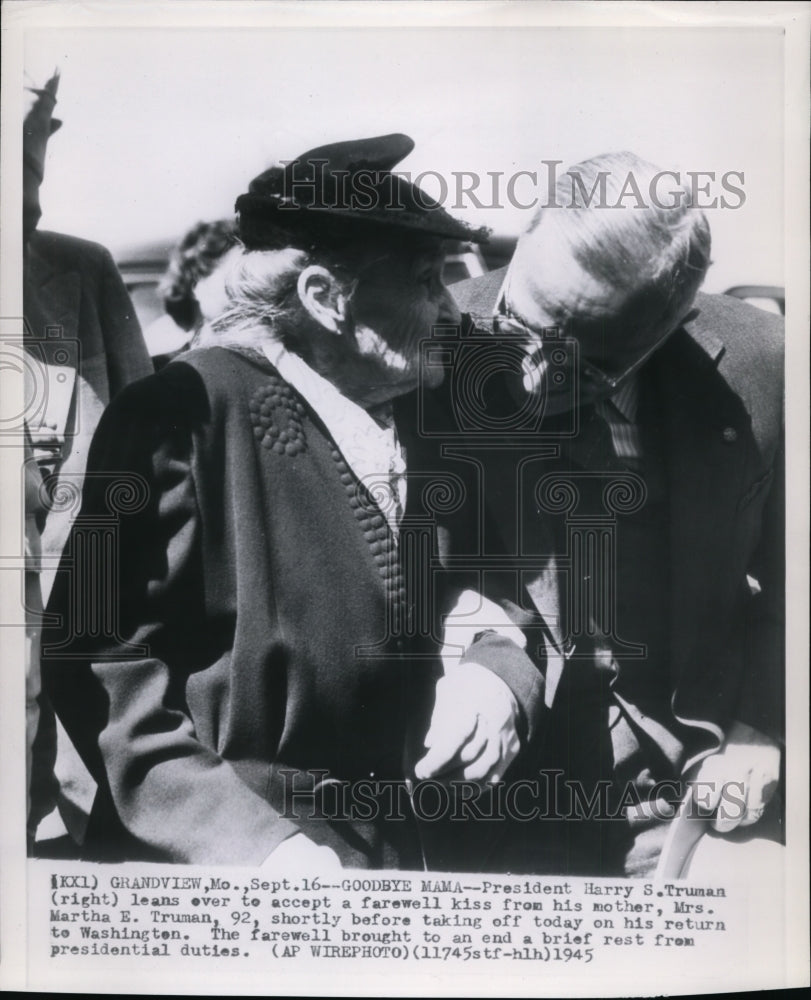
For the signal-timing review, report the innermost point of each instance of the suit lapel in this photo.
(478, 296)
(51, 303)
(544, 589)
(55, 303)
(703, 433)
(51, 300)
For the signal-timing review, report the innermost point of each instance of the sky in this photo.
(165, 127)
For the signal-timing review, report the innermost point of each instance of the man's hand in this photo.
(737, 782)
(299, 853)
(473, 733)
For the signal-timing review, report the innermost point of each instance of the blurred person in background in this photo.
(189, 298)
(84, 341)
(265, 647)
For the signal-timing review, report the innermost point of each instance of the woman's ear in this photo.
(322, 297)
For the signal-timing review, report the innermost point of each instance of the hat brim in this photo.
(277, 222)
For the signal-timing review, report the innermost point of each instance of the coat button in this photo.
(730, 435)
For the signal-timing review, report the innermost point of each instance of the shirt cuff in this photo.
(471, 615)
(513, 666)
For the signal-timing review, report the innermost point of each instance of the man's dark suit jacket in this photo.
(79, 316)
(84, 336)
(721, 385)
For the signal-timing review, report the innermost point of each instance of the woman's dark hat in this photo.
(340, 191)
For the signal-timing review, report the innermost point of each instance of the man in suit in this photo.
(646, 513)
(84, 344)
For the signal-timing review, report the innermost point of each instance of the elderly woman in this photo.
(257, 656)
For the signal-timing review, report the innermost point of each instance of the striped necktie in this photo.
(619, 412)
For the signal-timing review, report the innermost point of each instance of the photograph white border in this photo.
(795, 19)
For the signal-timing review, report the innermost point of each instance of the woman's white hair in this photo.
(262, 300)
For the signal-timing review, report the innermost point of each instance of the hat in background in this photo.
(342, 191)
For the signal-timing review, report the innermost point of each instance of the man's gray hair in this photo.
(657, 252)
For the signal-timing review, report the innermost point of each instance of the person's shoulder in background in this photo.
(478, 295)
(753, 341)
(69, 252)
(740, 324)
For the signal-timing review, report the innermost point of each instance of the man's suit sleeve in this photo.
(507, 660)
(482, 629)
(122, 697)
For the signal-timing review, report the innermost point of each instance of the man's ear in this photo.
(322, 297)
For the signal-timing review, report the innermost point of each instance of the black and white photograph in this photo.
(404, 453)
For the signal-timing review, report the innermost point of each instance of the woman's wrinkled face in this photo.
(396, 303)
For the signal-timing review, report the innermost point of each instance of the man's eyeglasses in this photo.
(549, 338)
